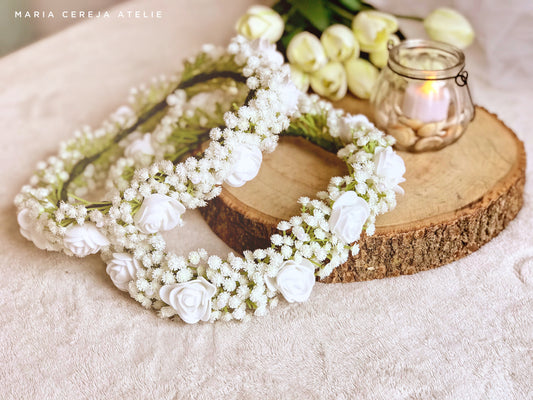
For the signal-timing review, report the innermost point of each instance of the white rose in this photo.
(141, 146)
(85, 239)
(390, 167)
(28, 230)
(330, 81)
(339, 43)
(158, 213)
(246, 162)
(348, 216)
(191, 300)
(122, 269)
(299, 78)
(361, 76)
(261, 21)
(306, 52)
(294, 281)
(372, 29)
(447, 25)
(349, 123)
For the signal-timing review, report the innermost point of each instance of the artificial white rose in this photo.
(449, 26)
(361, 76)
(191, 300)
(306, 52)
(330, 81)
(380, 57)
(348, 216)
(349, 123)
(339, 43)
(85, 239)
(122, 269)
(372, 29)
(139, 147)
(28, 229)
(246, 162)
(261, 21)
(294, 280)
(299, 78)
(158, 213)
(390, 167)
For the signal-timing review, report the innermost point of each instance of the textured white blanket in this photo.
(462, 331)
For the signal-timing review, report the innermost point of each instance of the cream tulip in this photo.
(361, 76)
(372, 29)
(380, 57)
(447, 25)
(299, 78)
(306, 52)
(330, 81)
(339, 43)
(261, 21)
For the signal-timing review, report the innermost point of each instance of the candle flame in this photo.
(431, 87)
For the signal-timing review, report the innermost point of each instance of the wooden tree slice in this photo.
(456, 199)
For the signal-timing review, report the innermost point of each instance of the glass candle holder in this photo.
(422, 97)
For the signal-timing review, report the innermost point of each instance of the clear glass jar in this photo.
(422, 97)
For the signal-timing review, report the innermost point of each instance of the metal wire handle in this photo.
(461, 79)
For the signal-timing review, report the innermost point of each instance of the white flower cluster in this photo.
(151, 200)
(308, 245)
(50, 206)
(45, 217)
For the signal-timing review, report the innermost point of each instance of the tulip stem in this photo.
(341, 11)
(411, 17)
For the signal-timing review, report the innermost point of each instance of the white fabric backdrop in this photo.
(462, 331)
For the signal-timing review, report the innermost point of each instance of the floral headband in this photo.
(242, 99)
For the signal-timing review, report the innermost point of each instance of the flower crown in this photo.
(242, 99)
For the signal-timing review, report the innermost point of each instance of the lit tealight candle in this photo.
(427, 102)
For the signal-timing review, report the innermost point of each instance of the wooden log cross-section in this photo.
(456, 199)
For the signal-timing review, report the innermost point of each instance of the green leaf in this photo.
(315, 12)
(352, 5)
(282, 7)
(341, 12)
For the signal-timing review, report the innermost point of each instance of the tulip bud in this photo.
(299, 78)
(361, 76)
(339, 43)
(380, 57)
(261, 21)
(330, 81)
(306, 52)
(447, 25)
(372, 29)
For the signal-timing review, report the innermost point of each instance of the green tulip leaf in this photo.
(315, 12)
(352, 5)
